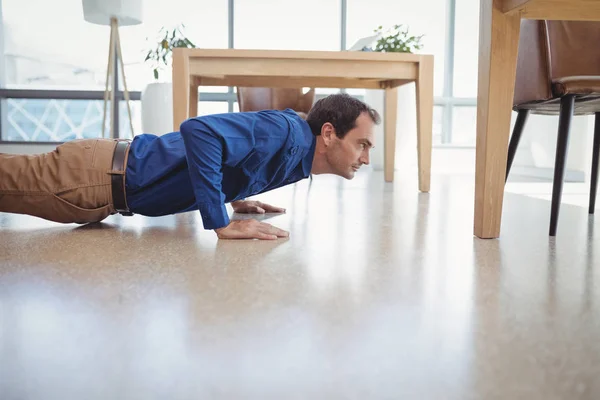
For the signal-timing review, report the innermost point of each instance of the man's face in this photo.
(347, 155)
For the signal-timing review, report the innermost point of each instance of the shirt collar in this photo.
(311, 141)
(307, 140)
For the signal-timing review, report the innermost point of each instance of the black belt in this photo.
(118, 180)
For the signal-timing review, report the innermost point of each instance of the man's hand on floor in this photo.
(248, 207)
(250, 229)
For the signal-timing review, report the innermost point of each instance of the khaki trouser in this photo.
(69, 184)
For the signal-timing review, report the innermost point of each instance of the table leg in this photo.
(498, 48)
(389, 140)
(181, 88)
(424, 86)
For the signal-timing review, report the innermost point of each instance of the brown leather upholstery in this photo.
(576, 85)
(533, 75)
(256, 99)
(558, 58)
(574, 48)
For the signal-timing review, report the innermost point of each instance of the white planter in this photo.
(157, 108)
(406, 126)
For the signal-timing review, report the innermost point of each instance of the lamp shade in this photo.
(127, 12)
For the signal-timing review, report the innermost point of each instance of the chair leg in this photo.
(562, 145)
(595, 158)
(515, 138)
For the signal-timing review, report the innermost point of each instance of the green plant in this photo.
(162, 52)
(397, 40)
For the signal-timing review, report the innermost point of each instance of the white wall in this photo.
(535, 156)
(537, 149)
(406, 127)
(2, 73)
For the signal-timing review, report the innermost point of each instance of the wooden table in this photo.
(498, 46)
(320, 69)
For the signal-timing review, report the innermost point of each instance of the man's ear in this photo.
(327, 133)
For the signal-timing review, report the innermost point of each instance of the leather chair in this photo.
(257, 98)
(558, 72)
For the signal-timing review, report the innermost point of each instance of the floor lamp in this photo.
(114, 13)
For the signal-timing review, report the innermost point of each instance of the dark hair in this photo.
(340, 110)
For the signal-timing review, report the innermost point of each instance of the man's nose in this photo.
(365, 159)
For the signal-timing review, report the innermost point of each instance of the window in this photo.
(287, 24)
(464, 125)
(72, 53)
(466, 48)
(437, 123)
(425, 17)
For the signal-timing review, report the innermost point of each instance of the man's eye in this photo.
(363, 146)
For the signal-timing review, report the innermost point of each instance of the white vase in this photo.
(157, 108)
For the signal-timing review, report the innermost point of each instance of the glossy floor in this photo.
(379, 293)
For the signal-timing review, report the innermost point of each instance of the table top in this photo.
(301, 68)
(554, 9)
(302, 54)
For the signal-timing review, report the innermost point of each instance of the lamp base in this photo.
(115, 59)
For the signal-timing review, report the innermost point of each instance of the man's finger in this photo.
(259, 210)
(282, 233)
(271, 208)
(273, 230)
(265, 236)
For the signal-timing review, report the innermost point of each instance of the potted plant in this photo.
(395, 40)
(157, 97)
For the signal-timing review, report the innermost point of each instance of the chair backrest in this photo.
(550, 50)
(574, 48)
(257, 98)
(533, 81)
